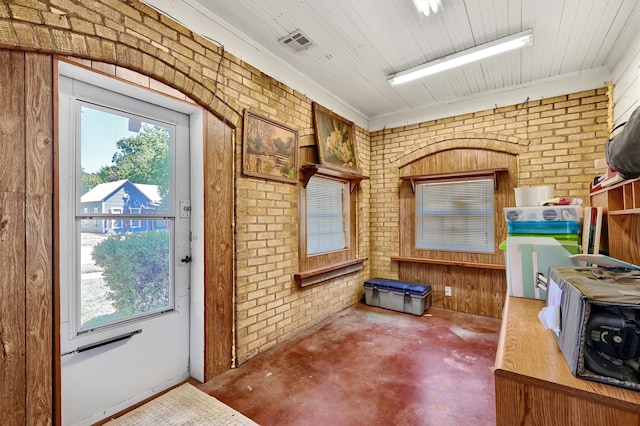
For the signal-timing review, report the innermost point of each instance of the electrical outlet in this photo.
(447, 291)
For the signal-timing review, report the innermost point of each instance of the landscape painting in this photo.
(270, 149)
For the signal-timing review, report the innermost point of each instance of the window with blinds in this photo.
(326, 225)
(455, 215)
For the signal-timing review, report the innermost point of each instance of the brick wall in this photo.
(269, 307)
(556, 140)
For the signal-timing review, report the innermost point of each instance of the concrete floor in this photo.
(371, 366)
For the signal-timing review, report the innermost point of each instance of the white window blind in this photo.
(455, 215)
(325, 218)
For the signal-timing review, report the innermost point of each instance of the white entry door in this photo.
(124, 249)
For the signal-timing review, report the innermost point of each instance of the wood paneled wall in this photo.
(26, 265)
(28, 330)
(218, 274)
(474, 290)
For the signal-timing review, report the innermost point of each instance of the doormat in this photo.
(184, 405)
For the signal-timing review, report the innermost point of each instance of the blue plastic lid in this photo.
(535, 227)
(404, 286)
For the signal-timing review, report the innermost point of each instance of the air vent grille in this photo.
(297, 41)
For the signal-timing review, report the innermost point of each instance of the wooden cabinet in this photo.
(535, 387)
(621, 204)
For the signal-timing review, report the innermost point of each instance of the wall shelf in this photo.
(621, 204)
(456, 175)
(448, 262)
(315, 276)
(309, 169)
(621, 198)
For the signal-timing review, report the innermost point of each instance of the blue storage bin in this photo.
(397, 295)
(543, 228)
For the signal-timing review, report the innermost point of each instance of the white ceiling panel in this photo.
(358, 43)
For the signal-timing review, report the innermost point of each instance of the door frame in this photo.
(197, 291)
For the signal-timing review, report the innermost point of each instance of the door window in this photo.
(125, 168)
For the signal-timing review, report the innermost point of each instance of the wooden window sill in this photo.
(449, 262)
(318, 275)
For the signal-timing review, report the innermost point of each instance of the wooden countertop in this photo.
(529, 353)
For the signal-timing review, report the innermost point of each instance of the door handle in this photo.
(186, 259)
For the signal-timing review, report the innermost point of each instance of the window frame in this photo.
(501, 166)
(460, 181)
(345, 219)
(320, 267)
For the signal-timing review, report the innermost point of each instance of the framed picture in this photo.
(335, 138)
(270, 150)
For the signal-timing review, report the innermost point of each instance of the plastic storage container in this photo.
(543, 228)
(543, 213)
(562, 238)
(401, 296)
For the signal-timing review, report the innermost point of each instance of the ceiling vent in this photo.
(297, 41)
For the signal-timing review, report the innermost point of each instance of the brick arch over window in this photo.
(460, 154)
(477, 277)
(482, 141)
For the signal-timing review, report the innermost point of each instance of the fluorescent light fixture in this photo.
(426, 6)
(496, 47)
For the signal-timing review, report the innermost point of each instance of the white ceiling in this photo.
(357, 43)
